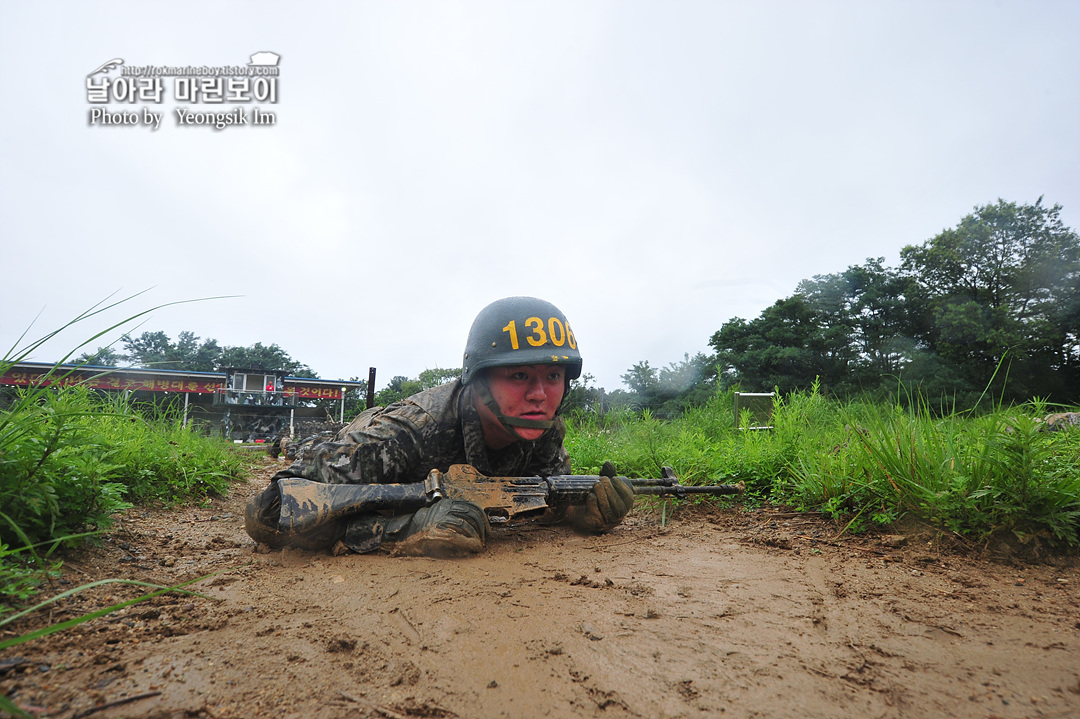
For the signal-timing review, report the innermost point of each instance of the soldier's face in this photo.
(525, 391)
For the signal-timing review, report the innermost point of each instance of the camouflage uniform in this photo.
(441, 427)
(402, 443)
(430, 430)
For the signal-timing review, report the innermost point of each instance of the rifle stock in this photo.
(306, 505)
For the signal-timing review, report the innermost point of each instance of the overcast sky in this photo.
(652, 168)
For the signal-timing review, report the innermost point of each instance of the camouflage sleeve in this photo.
(376, 448)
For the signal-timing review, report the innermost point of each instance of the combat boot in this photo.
(448, 528)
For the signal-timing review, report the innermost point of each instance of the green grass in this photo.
(862, 462)
(71, 458)
(702, 446)
(79, 457)
(969, 475)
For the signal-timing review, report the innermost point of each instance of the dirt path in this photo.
(717, 614)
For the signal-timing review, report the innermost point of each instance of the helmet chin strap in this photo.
(484, 392)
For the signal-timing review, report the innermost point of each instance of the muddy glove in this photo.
(261, 522)
(611, 498)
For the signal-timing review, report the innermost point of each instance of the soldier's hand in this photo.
(611, 498)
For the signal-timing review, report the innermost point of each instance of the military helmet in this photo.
(520, 331)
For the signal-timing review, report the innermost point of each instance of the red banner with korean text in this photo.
(304, 392)
(117, 381)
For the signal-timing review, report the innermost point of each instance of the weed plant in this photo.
(972, 475)
(71, 457)
(80, 457)
(703, 446)
(862, 461)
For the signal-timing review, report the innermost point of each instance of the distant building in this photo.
(237, 403)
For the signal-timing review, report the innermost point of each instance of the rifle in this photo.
(306, 505)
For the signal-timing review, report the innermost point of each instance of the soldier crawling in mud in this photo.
(501, 416)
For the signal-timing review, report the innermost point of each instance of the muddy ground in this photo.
(713, 613)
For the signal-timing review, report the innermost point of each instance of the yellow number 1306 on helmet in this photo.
(520, 331)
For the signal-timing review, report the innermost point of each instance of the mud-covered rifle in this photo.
(306, 505)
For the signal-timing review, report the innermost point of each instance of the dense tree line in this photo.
(990, 308)
(155, 350)
(992, 304)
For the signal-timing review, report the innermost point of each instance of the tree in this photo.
(355, 401)
(150, 350)
(687, 383)
(642, 381)
(101, 357)
(436, 376)
(786, 347)
(154, 350)
(1001, 290)
(264, 357)
(993, 302)
(583, 395)
(195, 356)
(862, 316)
(401, 387)
(668, 391)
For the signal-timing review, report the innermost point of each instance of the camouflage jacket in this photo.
(430, 430)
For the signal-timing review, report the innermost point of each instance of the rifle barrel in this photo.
(653, 482)
(569, 486)
(679, 490)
